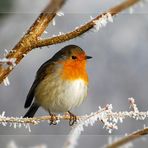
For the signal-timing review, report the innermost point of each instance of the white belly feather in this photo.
(60, 96)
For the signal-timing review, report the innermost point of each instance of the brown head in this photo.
(73, 58)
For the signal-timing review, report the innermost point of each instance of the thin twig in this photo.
(31, 37)
(128, 138)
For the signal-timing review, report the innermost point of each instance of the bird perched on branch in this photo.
(60, 83)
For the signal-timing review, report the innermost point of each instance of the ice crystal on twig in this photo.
(131, 10)
(101, 22)
(60, 13)
(107, 117)
(60, 33)
(88, 120)
(45, 32)
(6, 52)
(15, 122)
(10, 61)
(133, 104)
(6, 81)
(91, 18)
(53, 22)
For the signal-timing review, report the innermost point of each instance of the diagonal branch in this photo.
(129, 138)
(31, 37)
(84, 28)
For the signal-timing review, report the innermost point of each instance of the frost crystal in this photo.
(6, 51)
(6, 81)
(53, 22)
(45, 32)
(110, 18)
(107, 117)
(24, 55)
(102, 21)
(28, 127)
(91, 18)
(88, 120)
(60, 13)
(61, 33)
(131, 10)
(133, 105)
(10, 61)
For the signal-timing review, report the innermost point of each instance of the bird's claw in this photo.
(53, 119)
(73, 119)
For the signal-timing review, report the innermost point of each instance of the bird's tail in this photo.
(32, 110)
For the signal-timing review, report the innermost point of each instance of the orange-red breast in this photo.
(60, 83)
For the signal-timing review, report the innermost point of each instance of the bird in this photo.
(60, 85)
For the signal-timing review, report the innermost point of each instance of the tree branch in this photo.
(107, 117)
(129, 138)
(84, 28)
(31, 37)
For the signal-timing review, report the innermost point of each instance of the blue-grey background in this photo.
(118, 70)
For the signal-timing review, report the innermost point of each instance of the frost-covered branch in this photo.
(97, 23)
(32, 38)
(10, 61)
(129, 138)
(105, 115)
(108, 118)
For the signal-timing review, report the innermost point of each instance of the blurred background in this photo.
(118, 70)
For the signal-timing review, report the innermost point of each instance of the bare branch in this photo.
(129, 138)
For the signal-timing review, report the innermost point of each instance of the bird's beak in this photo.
(88, 57)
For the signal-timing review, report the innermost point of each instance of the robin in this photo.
(60, 84)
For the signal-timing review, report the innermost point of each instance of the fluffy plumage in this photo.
(60, 83)
(60, 95)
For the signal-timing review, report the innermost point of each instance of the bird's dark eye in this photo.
(74, 57)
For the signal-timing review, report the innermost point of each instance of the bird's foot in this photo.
(73, 118)
(53, 119)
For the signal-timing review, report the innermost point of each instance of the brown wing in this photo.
(41, 73)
